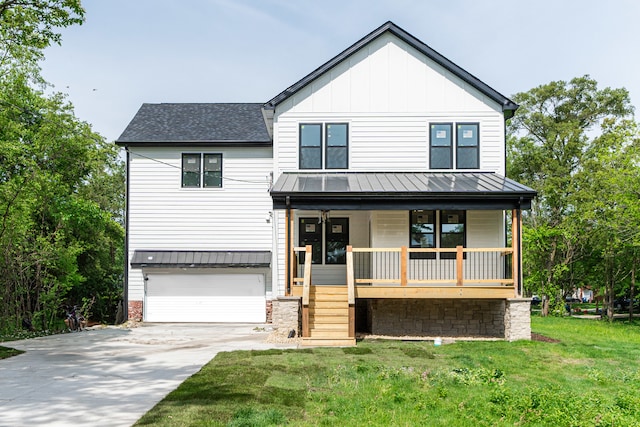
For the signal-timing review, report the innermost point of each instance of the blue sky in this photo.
(133, 51)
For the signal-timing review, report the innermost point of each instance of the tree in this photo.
(61, 184)
(550, 135)
(27, 27)
(608, 206)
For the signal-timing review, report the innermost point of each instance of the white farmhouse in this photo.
(370, 196)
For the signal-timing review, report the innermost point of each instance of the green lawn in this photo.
(590, 378)
(8, 352)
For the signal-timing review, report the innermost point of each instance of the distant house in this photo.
(370, 196)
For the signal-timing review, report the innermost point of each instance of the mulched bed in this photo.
(542, 338)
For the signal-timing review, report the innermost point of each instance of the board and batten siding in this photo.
(164, 216)
(389, 93)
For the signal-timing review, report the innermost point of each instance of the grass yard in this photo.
(591, 377)
(8, 352)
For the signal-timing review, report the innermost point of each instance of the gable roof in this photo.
(508, 106)
(197, 124)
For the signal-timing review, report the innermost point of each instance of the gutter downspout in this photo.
(125, 297)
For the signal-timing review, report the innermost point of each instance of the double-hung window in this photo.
(452, 231)
(451, 226)
(441, 146)
(423, 233)
(324, 146)
(467, 146)
(201, 170)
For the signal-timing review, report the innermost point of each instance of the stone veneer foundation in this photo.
(508, 319)
(286, 315)
(517, 319)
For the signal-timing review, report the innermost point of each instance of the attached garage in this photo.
(204, 286)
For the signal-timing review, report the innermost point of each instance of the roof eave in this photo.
(194, 143)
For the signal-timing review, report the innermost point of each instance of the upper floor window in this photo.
(467, 143)
(467, 152)
(201, 170)
(326, 148)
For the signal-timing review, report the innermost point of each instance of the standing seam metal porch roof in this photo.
(399, 190)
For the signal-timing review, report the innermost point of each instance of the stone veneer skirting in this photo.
(435, 317)
(286, 315)
(517, 319)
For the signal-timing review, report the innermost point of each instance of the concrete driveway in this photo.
(110, 376)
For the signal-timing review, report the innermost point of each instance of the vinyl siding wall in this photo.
(162, 215)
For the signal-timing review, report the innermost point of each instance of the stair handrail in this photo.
(306, 290)
(351, 293)
(306, 284)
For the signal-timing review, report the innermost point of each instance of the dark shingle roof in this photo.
(399, 190)
(181, 124)
(201, 259)
(508, 106)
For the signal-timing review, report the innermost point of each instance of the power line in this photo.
(200, 173)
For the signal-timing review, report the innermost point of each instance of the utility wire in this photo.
(200, 173)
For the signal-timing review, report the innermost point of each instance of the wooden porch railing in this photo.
(405, 266)
(434, 267)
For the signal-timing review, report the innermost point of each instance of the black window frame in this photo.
(201, 170)
(459, 147)
(308, 148)
(311, 237)
(344, 148)
(324, 148)
(438, 222)
(413, 231)
(216, 174)
(441, 223)
(319, 238)
(187, 176)
(433, 147)
(341, 237)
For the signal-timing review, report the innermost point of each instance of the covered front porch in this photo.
(399, 262)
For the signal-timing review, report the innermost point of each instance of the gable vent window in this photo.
(441, 146)
(201, 170)
(324, 147)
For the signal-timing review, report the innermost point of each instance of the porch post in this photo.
(516, 244)
(288, 270)
(459, 269)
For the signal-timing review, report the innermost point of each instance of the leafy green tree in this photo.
(61, 184)
(608, 206)
(27, 27)
(550, 135)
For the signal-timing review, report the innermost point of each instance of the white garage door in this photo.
(193, 297)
